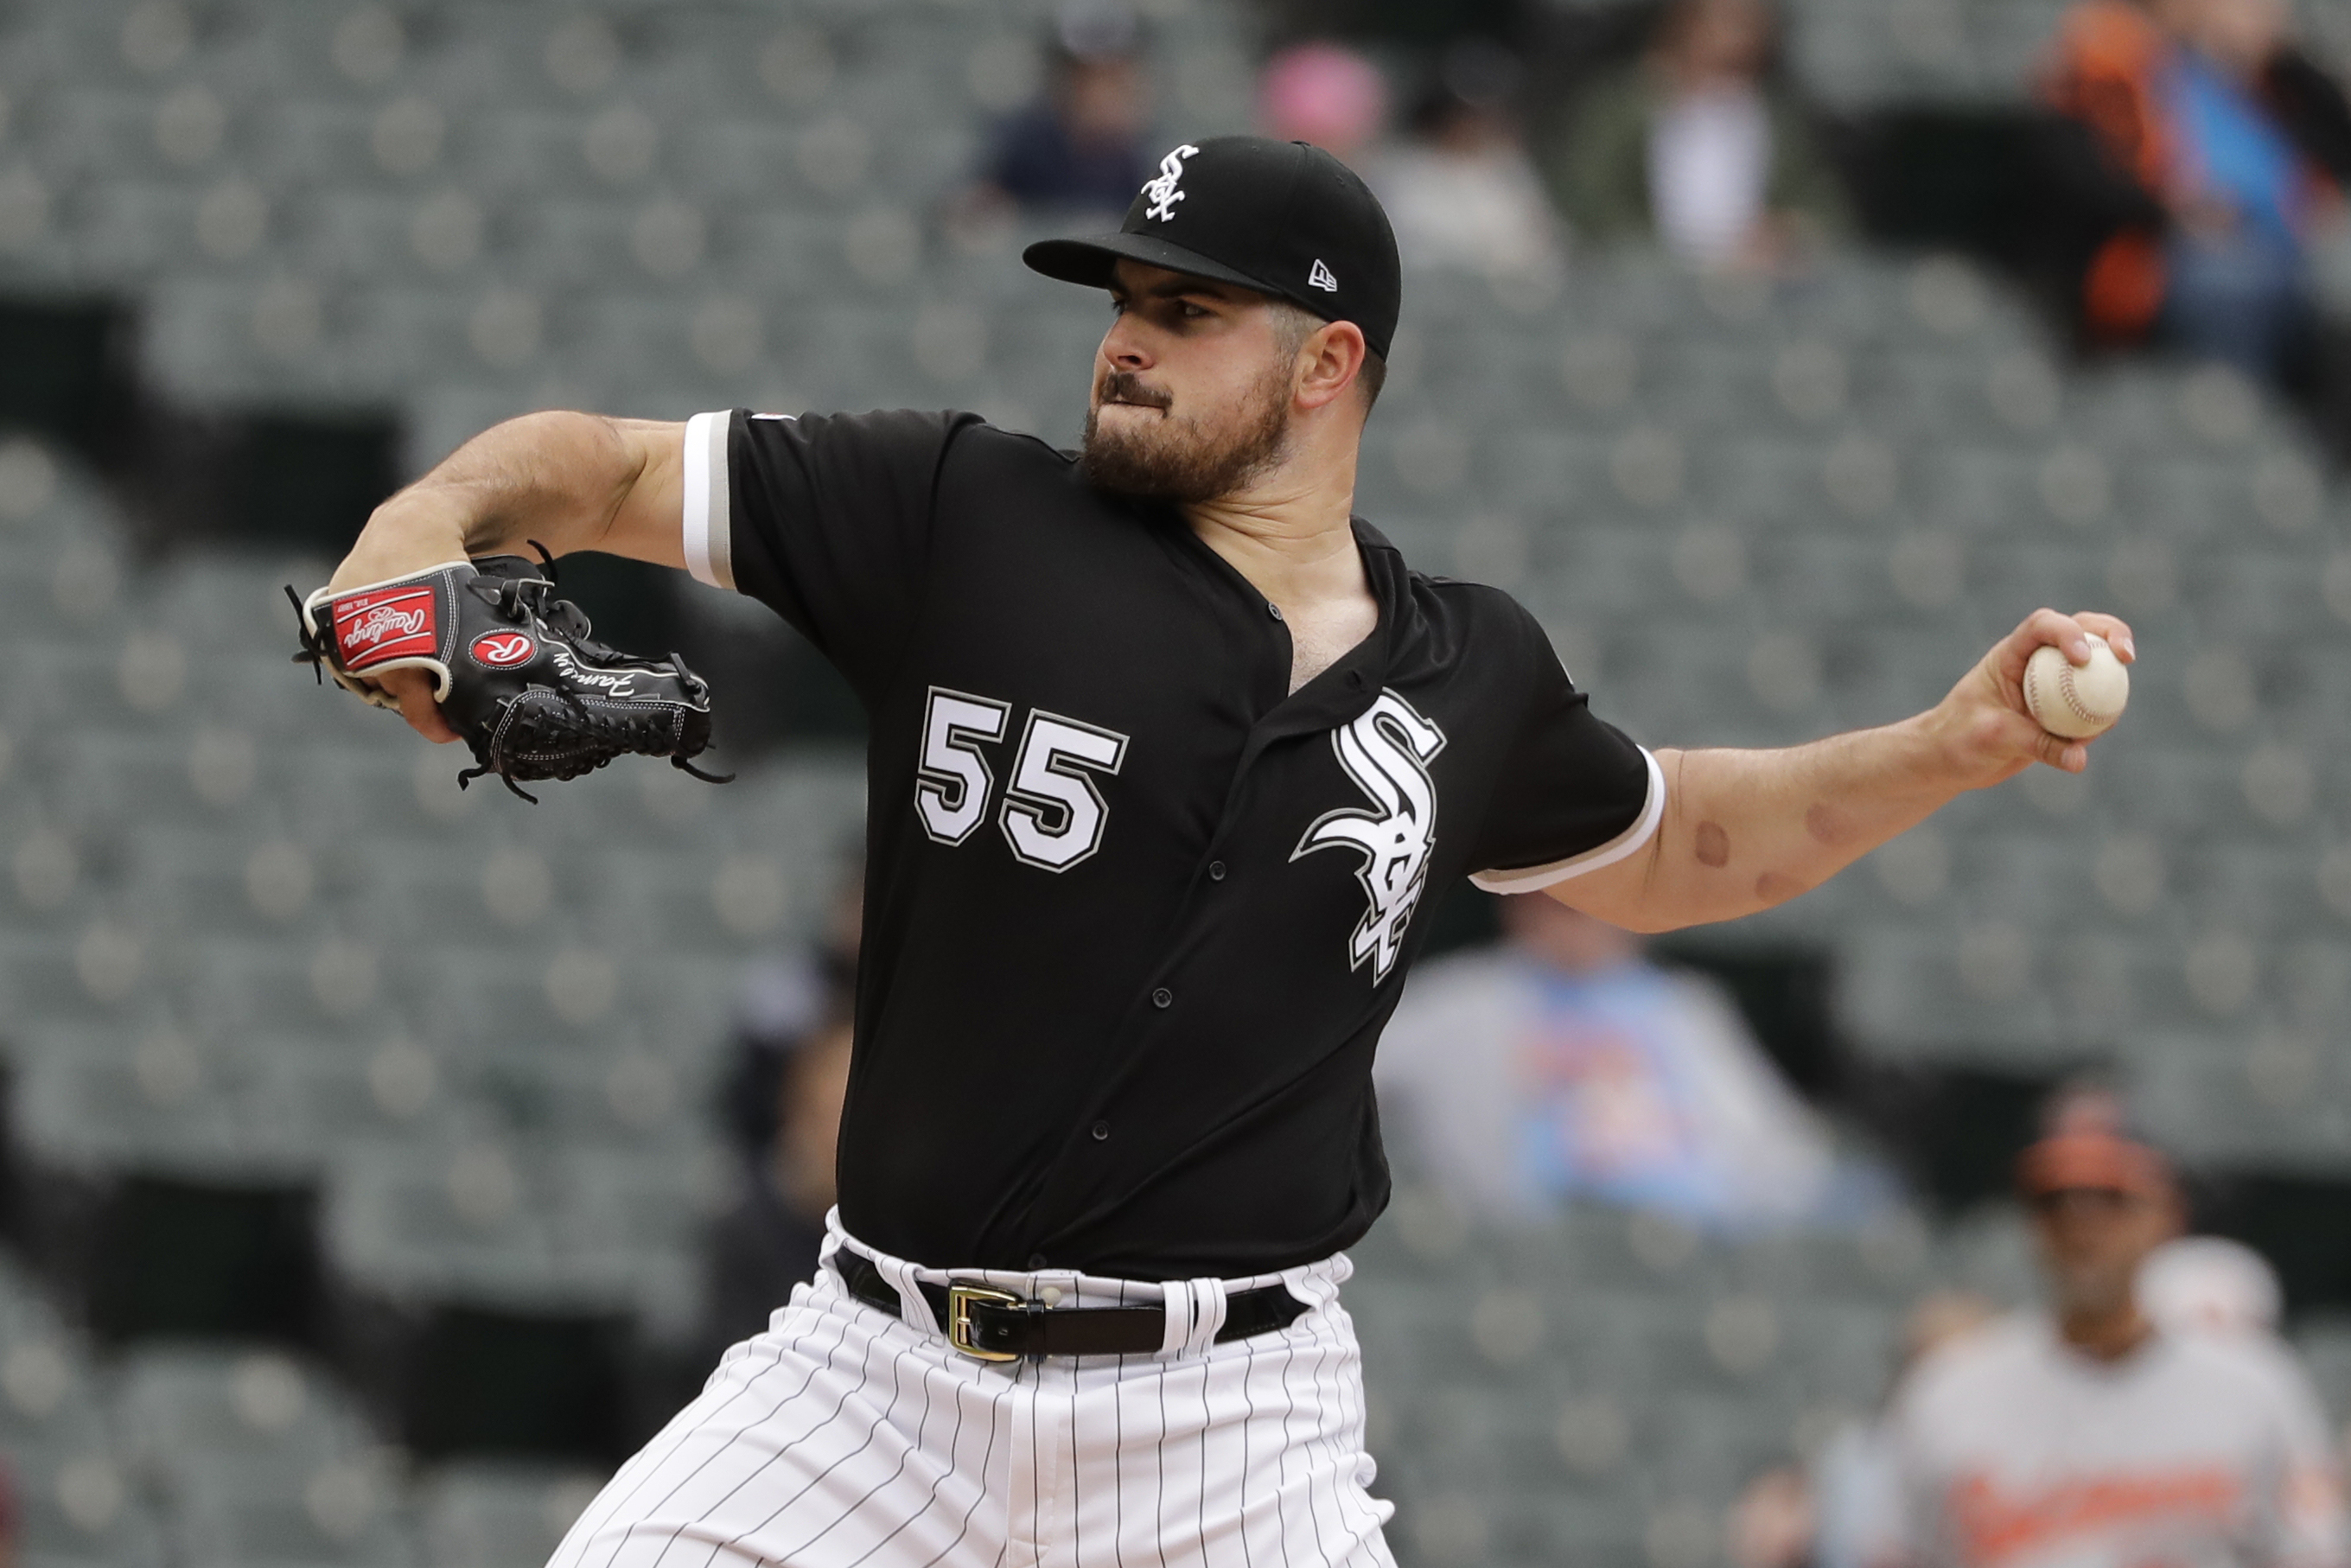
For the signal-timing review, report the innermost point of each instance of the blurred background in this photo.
(383, 1162)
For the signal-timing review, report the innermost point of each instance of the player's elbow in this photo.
(1643, 917)
(1648, 921)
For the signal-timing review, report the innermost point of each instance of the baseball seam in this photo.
(2072, 699)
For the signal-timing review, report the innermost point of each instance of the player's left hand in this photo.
(1989, 733)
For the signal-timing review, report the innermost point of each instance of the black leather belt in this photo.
(997, 1325)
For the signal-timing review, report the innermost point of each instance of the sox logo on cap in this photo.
(1283, 219)
(1162, 191)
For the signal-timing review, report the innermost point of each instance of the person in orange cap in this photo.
(2100, 1203)
(2086, 1436)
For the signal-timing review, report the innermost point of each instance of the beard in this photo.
(1177, 458)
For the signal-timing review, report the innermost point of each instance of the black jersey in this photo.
(1135, 914)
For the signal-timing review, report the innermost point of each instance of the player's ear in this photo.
(1329, 361)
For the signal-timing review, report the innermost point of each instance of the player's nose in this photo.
(1123, 348)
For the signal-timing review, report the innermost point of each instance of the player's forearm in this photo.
(1744, 831)
(568, 481)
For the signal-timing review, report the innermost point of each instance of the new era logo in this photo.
(1320, 278)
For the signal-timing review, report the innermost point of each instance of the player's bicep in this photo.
(825, 519)
(646, 523)
(1622, 893)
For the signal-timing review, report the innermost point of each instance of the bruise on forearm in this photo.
(1829, 825)
(1747, 831)
(1711, 847)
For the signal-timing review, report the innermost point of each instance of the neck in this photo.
(2105, 1333)
(1287, 531)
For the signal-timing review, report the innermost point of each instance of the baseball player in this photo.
(1168, 752)
(2093, 1435)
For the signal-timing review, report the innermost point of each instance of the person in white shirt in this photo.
(2088, 1436)
(1703, 147)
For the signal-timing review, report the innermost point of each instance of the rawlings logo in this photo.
(384, 620)
(377, 627)
(1162, 191)
(1387, 752)
(502, 650)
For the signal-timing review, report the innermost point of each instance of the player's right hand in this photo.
(1991, 732)
(412, 690)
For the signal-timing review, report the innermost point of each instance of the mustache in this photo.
(1125, 386)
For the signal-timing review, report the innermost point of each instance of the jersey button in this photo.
(1273, 609)
(1215, 870)
(1101, 1132)
(1036, 1260)
(1163, 997)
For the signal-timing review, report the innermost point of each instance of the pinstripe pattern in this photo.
(843, 1438)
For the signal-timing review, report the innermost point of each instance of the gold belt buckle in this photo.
(961, 1299)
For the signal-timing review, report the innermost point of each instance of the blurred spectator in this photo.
(1460, 191)
(1079, 147)
(1773, 1523)
(2091, 1436)
(2208, 1284)
(1853, 1484)
(2233, 135)
(795, 1028)
(1564, 1065)
(1700, 146)
(767, 1242)
(1326, 94)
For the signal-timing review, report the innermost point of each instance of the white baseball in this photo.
(2076, 703)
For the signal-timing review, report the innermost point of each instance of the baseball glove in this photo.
(515, 670)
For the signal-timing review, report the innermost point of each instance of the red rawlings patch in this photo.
(503, 650)
(373, 629)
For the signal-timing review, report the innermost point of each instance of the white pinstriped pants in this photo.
(843, 1438)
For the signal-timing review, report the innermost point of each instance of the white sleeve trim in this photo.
(709, 519)
(1533, 878)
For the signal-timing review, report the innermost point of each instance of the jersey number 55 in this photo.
(1052, 815)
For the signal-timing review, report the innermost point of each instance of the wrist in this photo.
(405, 535)
(1940, 752)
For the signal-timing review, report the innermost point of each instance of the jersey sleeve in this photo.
(1575, 793)
(825, 519)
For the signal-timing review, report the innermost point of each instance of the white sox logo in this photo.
(1162, 191)
(1387, 752)
(503, 650)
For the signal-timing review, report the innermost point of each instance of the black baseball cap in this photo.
(1284, 218)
